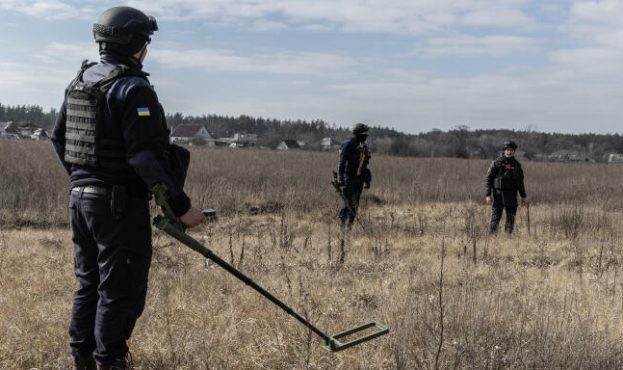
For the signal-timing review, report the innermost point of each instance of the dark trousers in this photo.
(112, 255)
(503, 200)
(351, 194)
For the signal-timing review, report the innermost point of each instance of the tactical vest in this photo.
(505, 179)
(86, 143)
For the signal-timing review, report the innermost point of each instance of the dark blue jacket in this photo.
(134, 114)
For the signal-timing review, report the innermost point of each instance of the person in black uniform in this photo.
(113, 141)
(503, 181)
(353, 174)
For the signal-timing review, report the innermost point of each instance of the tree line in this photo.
(461, 141)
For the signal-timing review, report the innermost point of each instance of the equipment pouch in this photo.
(179, 160)
(497, 182)
(118, 202)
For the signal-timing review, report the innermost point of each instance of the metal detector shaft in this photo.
(170, 224)
(165, 225)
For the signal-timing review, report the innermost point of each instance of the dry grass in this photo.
(550, 299)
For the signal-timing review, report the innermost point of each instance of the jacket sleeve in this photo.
(491, 173)
(147, 143)
(367, 174)
(341, 161)
(58, 137)
(519, 181)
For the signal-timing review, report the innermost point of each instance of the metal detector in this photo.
(170, 223)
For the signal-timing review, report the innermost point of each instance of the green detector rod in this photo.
(170, 223)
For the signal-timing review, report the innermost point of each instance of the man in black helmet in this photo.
(503, 181)
(353, 173)
(113, 141)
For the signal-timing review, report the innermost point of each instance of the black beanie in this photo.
(137, 42)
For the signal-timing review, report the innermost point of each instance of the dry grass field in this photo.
(454, 298)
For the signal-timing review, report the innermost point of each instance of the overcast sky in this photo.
(414, 65)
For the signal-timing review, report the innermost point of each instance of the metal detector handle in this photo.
(160, 194)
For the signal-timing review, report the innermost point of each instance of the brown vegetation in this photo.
(548, 299)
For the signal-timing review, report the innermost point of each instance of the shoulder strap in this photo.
(83, 67)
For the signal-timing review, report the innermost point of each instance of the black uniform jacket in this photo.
(498, 167)
(353, 161)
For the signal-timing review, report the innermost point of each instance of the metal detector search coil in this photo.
(334, 344)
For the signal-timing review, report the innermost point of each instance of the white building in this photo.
(187, 133)
(288, 144)
(328, 143)
(615, 158)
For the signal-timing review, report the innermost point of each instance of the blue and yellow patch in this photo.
(143, 112)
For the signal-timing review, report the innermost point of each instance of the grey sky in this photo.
(409, 64)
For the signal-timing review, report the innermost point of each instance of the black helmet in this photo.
(124, 29)
(510, 144)
(360, 129)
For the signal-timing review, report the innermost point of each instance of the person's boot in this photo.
(493, 226)
(84, 363)
(118, 364)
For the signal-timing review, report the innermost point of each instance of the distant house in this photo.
(328, 143)
(290, 144)
(568, 156)
(239, 140)
(190, 133)
(22, 130)
(39, 134)
(615, 158)
(3, 126)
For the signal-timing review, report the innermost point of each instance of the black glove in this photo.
(366, 185)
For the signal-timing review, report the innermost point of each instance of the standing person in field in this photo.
(113, 141)
(503, 181)
(353, 174)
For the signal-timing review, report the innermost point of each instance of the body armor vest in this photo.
(86, 143)
(505, 179)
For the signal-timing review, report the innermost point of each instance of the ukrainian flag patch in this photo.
(143, 112)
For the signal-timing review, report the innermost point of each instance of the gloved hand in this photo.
(366, 185)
